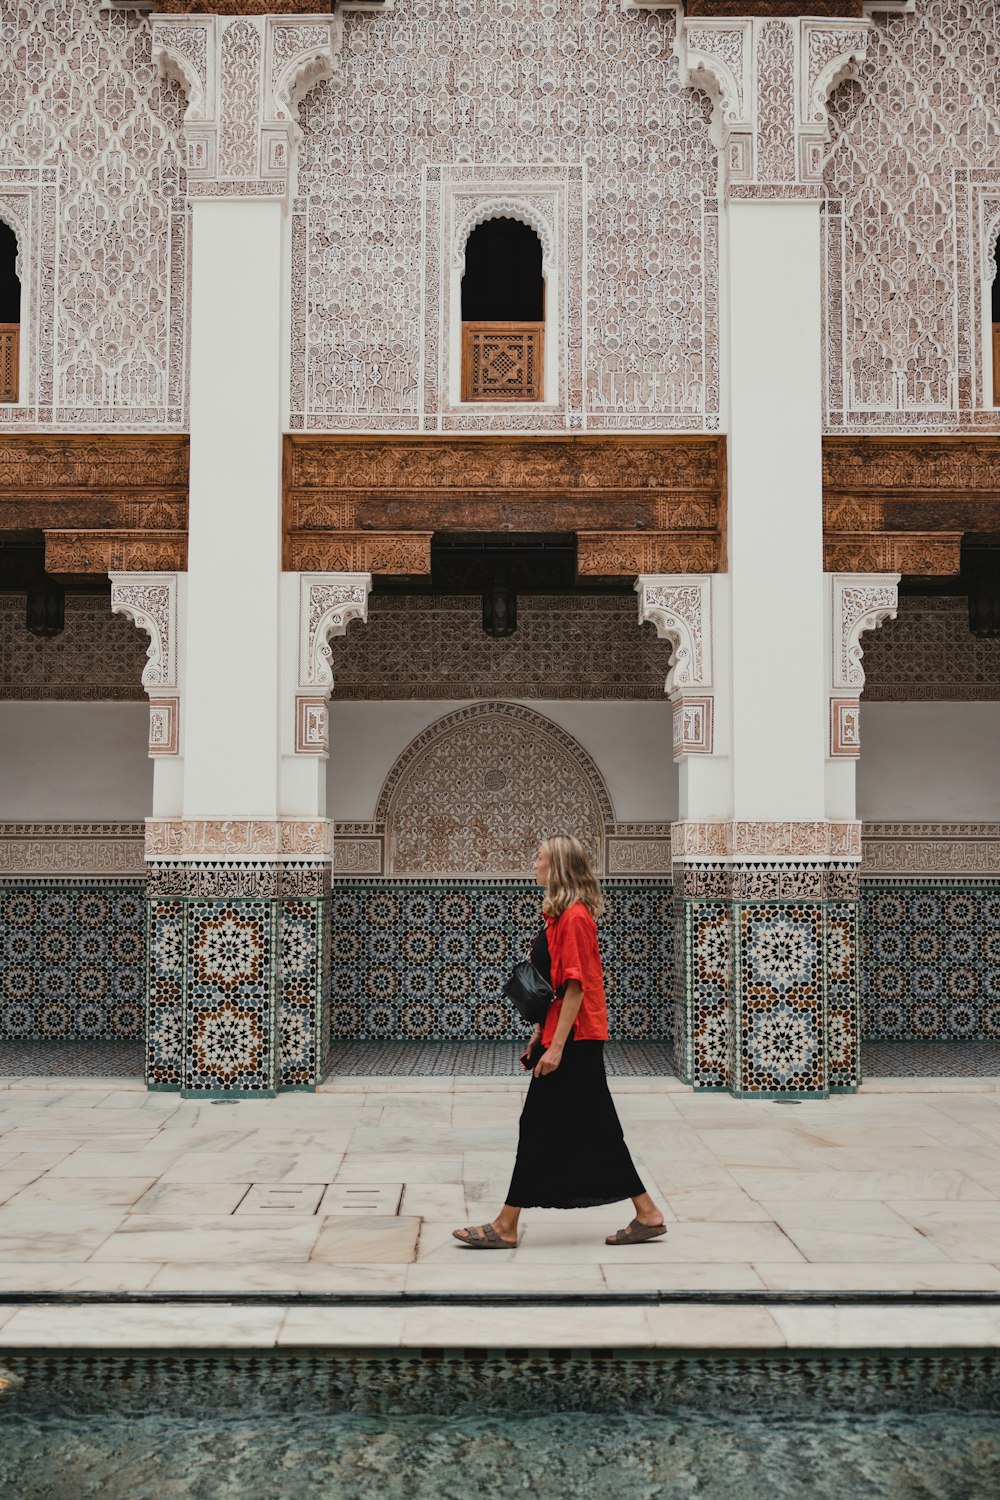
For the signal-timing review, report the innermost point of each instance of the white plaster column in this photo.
(775, 513)
(234, 548)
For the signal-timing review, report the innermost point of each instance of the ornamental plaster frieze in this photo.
(244, 76)
(908, 850)
(739, 840)
(238, 839)
(770, 79)
(71, 849)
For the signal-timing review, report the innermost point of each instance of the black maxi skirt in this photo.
(571, 1152)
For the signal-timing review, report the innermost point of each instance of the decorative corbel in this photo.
(149, 600)
(859, 602)
(328, 602)
(680, 607)
(770, 79)
(234, 148)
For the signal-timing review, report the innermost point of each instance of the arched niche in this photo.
(476, 791)
(10, 312)
(503, 311)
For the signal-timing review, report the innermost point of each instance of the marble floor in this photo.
(355, 1190)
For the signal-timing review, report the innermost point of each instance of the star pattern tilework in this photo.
(418, 959)
(73, 961)
(930, 960)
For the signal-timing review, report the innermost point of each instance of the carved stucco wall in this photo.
(477, 791)
(565, 646)
(91, 179)
(913, 178)
(429, 648)
(575, 110)
(929, 655)
(98, 656)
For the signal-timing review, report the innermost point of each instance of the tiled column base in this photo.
(766, 978)
(239, 977)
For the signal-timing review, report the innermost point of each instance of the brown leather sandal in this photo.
(483, 1237)
(635, 1233)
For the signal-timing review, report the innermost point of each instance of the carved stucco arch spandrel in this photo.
(770, 80)
(680, 606)
(328, 602)
(149, 600)
(244, 77)
(859, 602)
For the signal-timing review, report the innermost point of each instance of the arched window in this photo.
(10, 314)
(503, 313)
(996, 335)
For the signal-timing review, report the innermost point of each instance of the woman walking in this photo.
(571, 1152)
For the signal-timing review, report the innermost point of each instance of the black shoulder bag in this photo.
(529, 985)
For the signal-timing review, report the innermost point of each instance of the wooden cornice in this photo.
(651, 497)
(908, 500)
(367, 504)
(97, 496)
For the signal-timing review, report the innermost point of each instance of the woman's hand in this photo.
(536, 1035)
(549, 1061)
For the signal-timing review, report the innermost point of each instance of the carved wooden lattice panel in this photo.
(502, 361)
(9, 359)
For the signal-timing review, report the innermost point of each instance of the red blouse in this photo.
(572, 942)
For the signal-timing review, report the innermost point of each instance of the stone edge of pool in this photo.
(619, 1331)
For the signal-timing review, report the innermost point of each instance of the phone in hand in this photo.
(530, 1056)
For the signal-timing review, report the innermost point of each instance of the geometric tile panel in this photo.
(165, 994)
(426, 959)
(707, 977)
(780, 1025)
(72, 960)
(228, 1002)
(843, 1024)
(303, 1005)
(930, 960)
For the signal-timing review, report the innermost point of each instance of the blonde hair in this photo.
(571, 877)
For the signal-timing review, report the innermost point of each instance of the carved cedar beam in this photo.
(509, 467)
(399, 554)
(343, 493)
(911, 554)
(73, 554)
(91, 481)
(441, 511)
(621, 554)
(50, 462)
(901, 468)
(902, 504)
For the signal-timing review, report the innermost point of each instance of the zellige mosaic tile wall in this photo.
(930, 960)
(73, 960)
(427, 959)
(415, 959)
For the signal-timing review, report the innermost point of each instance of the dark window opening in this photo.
(10, 314)
(503, 313)
(503, 274)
